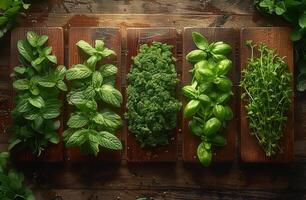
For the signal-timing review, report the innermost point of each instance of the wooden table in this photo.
(156, 181)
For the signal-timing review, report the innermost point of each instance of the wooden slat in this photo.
(53, 152)
(135, 38)
(112, 40)
(277, 38)
(191, 142)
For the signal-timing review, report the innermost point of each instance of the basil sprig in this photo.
(93, 95)
(208, 94)
(37, 82)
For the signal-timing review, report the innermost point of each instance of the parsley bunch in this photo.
(294, 11)
(266, 82)
(37, 82)
(93, 94)
(151, 104)
(11, 182)
(9, 9)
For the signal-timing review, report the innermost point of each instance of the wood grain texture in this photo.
(277, 38)
(135, 38)
(191, 142)
(53, 153)
(112, 40)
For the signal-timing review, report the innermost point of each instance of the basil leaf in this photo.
(200, 41)
(110, 95)
(99, 45)
(87, 48)
(77, 121)
(109, 140)
(106, 52)
(78, 71)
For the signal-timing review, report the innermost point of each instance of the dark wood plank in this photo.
(136, 37)
(53, 153)
(112, 40)
(191, 142)
(278, 38)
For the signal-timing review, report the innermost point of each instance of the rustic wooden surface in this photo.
(135, 38)
(170, 182)
(112, 40)
(191, 142)
(277, 38)
(54, 152)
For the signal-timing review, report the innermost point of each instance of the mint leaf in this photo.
(77, 138)
(77, 120)
(106, 52)
(110, 95)
(99, 45)
(78, 71)
(109, 140)
(21, 84)
(32, 38)
(25, 50)
(108, 119)
(87, 48)
(280, 8)
(97, 79)
(41, 40)
(38, 101)
(108, 70)
(61, 85)
(52, 59)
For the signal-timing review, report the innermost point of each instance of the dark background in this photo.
(90, 181)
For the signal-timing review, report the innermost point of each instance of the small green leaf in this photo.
(47, 82)
(97, 79)
(200, 41)
(302, 20)
(20, 69)
(99, 45)
(37, 61)
(77, 121)
(280, 8)
(25, 50)
(41, 40)
(61, 85)
(52, 58)
(60, 72)
(78, 71)
(32, 38)
(108, 70)
(109, 140)
(106, 52)
(204, 155)
(87, 48)
(77, 138)
(38, 101)
(53, 137)
(110, 95)
(21, 84)
(107, 119)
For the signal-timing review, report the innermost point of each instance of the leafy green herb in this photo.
(11, 182)
(37, 82)
(266, 82)
(151, 104)
(209, 92)
(93, 124)
(294, 11)
(9, 10)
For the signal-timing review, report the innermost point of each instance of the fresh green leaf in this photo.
(78, 71)
(110, 95)
(87, 48)
(199, 40)
(77, 121)
(32, 38)
(37, 101)
(108, 70)
(25, 50)
(21, 84)
(109, 140)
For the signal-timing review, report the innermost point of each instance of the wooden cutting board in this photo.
(112, 40)
(191, 142)
(53, 153)
(278, 38)
(135, 38)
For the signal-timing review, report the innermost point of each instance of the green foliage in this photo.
(93, 94)
(208, 94)
(151, 104)
(294, 11)
(37, 82)
(11, 182)
(266, 83)
(9, 9)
